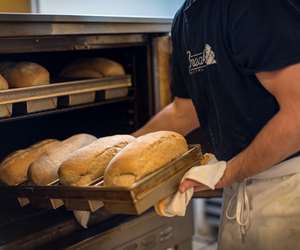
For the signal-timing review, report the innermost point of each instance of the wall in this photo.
(152, 8)
(15, 6)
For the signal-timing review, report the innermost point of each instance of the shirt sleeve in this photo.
(178, 82)
(265, 34)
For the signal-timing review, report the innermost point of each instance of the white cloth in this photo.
(263, 212)
(208, 175)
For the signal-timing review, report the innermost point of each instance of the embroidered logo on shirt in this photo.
(201, 60)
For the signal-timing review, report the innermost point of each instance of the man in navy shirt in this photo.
(236, 75)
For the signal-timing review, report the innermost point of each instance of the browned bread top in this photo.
(88, 163)
(144, 156)
(24, 74)
(43, 171)
(13, 170)
(92, 68)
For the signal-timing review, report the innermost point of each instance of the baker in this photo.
(236, 74)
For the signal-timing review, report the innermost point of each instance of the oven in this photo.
(99, 107)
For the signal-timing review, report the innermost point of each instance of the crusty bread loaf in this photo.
(89, 163)
(24, 74)
(92, 68)
(44, 170)
(13, 170)
(3, 83)
(144, 156)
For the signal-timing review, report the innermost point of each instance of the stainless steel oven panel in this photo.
(12, 25)
(144, 233)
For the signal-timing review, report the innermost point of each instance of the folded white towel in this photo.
(209, 175)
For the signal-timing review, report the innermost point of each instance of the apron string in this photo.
(242, 213)
(241, 198)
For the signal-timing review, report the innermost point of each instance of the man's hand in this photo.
(198, 187)
(187, 184)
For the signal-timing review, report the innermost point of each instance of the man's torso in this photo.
(232, 106)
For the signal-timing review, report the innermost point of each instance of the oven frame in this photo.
(35, 33)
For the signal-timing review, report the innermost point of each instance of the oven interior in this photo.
(102, 118)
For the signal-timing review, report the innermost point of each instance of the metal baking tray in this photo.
(38, 201)
(134, 200)
(5, 110)
(45, 97)
(85, 204)
(41, 105)
(42, 202)
(79, 99)
(116, 93)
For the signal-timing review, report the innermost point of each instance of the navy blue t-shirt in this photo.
(218, 46)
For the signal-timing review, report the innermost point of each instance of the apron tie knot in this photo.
(242, 211)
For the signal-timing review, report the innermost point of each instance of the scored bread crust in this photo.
(89, 163)
(144, 156)
(92, 68)
(43, 171)
(14, 168)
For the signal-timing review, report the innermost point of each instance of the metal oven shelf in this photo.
(62, 97)
(62, 89)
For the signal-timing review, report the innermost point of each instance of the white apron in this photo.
(263, 212)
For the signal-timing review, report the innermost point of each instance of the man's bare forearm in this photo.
(279, 139)
(180, 116)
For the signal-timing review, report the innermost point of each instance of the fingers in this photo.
(187, 184)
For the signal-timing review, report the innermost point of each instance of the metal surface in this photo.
(161, 57)
(41, 202)
(79, 99)
(116, 93)
(68, 43)
(135, 200)
(65, 227)
(65, 110)
(5, 110)
(148, 232)
(39, 33)
(83, 205)
(40, 18)
(41, 105)
(62, 89)
(16, 25)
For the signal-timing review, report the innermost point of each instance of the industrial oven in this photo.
(99, 107)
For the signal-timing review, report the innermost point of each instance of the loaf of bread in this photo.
(92, 68)
(24, 74)
(3, 83)
(13, 170)
(89, 163)
(144, 156)
(43, 171)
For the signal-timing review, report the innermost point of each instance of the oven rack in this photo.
(63, 95)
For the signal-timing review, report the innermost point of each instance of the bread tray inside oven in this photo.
(134, 200)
